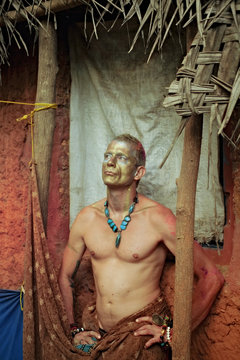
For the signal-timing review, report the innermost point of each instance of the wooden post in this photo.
(44, 121)
(185, 234)
(185, 214)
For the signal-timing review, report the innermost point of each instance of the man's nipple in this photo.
(135, 256)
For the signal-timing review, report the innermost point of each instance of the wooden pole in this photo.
(185, 215)
(44, 121)
(185, 234)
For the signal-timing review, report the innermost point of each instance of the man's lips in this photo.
(109, 173)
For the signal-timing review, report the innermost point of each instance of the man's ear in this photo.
(140, 172)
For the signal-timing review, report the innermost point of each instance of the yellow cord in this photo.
(22, 291)
(43, 106)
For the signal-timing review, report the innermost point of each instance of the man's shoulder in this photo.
(92, 209)
(158, 216)
(153, 206)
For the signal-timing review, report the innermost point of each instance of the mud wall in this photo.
(218, 336)
(19, 85)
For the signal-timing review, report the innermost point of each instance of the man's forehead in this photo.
(121, 146)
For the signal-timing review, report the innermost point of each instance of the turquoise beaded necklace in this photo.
(124, 223)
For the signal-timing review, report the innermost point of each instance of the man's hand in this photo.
(85, 337)
(150, 329)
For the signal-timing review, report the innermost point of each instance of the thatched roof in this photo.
(157, 16)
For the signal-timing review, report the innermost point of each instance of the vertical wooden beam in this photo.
(187, 184)
(185, 234)
(44, 121)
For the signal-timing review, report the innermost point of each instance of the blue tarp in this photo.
(11, 325)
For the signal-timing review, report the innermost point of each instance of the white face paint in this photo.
(119, 164)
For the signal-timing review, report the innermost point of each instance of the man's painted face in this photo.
(119, 164)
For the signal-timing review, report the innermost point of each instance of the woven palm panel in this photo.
(209, 78)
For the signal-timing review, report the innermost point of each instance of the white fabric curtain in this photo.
(114, 92)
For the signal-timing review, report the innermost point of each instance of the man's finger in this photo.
(86, 337)
(85, 341)
(151, 342)
(94, 334)
(144, 330)
(144, 318)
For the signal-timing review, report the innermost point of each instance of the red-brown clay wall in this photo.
(218, 337)
(19, 85)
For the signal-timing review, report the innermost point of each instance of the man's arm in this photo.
(208, 278)
(209, 281)
(71, 259)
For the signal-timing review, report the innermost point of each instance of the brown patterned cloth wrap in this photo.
(46, 333)
(119, 342)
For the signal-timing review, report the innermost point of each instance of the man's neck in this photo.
(119, 200)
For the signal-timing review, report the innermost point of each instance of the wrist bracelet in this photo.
(169, 335)
(166, 344)
(75, 329)
(166, 323)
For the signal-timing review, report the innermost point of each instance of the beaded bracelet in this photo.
(166, 344)
(75, 329)
(169, 334)
(166, 324)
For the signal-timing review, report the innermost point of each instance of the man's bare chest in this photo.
(138, 241)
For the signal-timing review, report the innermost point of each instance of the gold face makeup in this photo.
(119, 164)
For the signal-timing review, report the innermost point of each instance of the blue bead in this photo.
(109, 221)
(106, 203)
(115, 229)
(112, 224)
(127, 218)
(106, 212)
(118, 239)
(123, 227)
(124, 223)
(131, 208)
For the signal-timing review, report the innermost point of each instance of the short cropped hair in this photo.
(140, 152)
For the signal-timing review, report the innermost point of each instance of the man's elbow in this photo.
(220, 279)
(60, 281)
(63, 280)
(216, 280)
(60, 275)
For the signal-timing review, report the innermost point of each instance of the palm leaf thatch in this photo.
(196, 90)
(158, 15)
(22, 10)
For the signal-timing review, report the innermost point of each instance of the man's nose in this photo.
(112, 161)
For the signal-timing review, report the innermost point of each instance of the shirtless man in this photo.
(127, 264)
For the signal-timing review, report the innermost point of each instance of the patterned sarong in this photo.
(119, 342)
